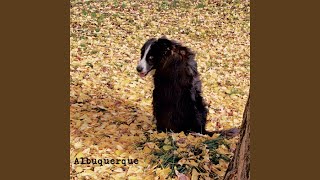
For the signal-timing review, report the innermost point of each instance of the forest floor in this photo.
(110, 105)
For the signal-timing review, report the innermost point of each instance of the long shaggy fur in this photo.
(177, 101)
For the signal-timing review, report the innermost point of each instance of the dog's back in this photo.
(177, 101)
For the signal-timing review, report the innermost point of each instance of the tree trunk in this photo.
(239, 167)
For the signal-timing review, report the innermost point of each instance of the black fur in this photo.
(177, 101)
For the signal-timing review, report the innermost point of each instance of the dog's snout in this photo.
(139, 68)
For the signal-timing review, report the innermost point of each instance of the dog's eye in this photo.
(150, 57)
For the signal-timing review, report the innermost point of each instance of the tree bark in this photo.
(239, 167)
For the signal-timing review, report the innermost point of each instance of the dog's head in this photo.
(152, 52)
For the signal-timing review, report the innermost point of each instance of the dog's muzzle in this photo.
(139, 68)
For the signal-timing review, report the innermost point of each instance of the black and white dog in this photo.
(177, 101)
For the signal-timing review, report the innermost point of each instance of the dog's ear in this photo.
(164, 41)
(164, 44)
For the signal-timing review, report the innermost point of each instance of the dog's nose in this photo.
(139, 68)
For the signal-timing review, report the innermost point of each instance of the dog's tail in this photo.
(228, 133)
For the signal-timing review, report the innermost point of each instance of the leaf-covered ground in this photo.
(110, 105)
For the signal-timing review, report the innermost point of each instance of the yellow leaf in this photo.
(119, 147)
(163, 173)
(215, 136)
(79, 169)
(143, 118)
(119, 170)
(161, 135)
(223, 164)
(132, 178)
(131, 170)
(79, 155)
(181, 134)
(151, 145)
(195, 174)
(88, 172)
(118, 152)
(149, 177)
(146, 150)
(167, 141)
(77, 145)
(223, 149)
(167, 147)
(119, 176)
